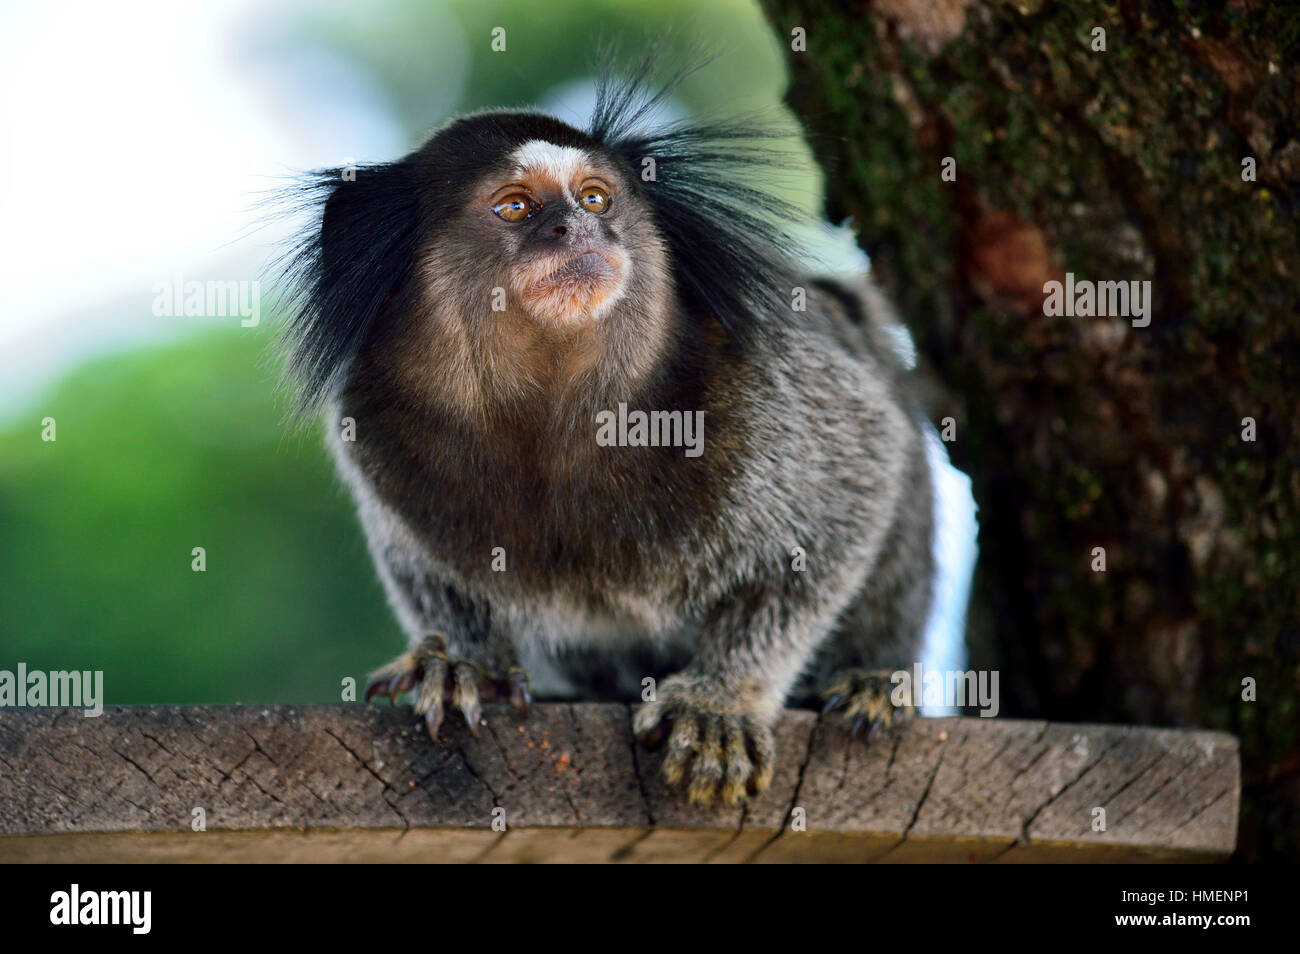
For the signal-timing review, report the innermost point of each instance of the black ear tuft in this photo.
(340, 274)
(732, 255)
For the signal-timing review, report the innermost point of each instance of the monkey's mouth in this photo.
(586, 267)
(577, 286)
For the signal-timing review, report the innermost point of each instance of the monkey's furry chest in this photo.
(603, 539)
(592, 587)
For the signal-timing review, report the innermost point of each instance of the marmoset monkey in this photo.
(597, 440)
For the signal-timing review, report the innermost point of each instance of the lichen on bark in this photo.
(1122, 164)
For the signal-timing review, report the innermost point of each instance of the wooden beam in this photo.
(364, 783)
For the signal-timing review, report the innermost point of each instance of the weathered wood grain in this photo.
(364, 783)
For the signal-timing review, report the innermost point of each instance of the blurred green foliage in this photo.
(415, 50)
(157, 453)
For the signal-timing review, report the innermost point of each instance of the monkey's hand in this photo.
(719, 737)
(434, 674)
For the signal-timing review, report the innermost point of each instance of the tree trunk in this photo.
(1170, 445)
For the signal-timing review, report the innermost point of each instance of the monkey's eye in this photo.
(515, 207)
(594, 199)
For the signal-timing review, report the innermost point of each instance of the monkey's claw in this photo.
(434, 675)
(717, 747)
(521, 690)
(865, 698)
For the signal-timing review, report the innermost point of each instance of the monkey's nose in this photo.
(560, 230)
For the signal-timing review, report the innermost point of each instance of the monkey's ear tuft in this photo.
(344, 272)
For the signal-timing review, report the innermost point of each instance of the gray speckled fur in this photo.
(826, 455)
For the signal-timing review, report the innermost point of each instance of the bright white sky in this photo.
(135, 141)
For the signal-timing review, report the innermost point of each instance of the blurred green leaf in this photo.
(157, 453)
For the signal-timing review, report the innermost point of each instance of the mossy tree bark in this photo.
(1081, 432)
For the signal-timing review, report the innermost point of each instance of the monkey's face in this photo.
(547, 226)
(560, 218)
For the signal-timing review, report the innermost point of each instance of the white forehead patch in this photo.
(562, 164)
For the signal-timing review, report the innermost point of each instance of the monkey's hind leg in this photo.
(434, 674)
(865, 697)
